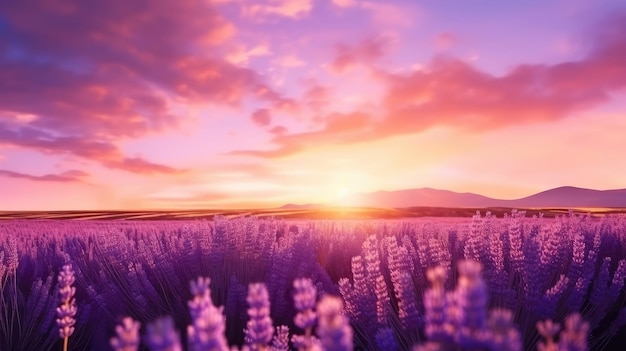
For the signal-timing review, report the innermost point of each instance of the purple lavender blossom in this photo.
(431, 346)
(502, 334)
(333, 329)
(554, 294)
(280, 342)
(300, 342)
(208, 324)
(435, 305)
(259, 329)
(548, 330)
(407, 309)
(127, 336)
(67, 310)
(162, 336)
(304, 300)
(574, 335)
(471, 300)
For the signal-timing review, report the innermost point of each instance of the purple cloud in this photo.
(69, 176)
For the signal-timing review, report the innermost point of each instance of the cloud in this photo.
(317, 97)
(290, 61)
(284, 8)
(344, 3)
(445, 40)
(451, 92)
(262, 117)
(69, 176)
(339, 128)
(103, 151)
(388, 14)
(139, 165)
(278, 130)
(367, 51)
(114, 71)
(241, 56)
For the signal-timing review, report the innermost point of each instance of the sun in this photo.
(342, 193)
(342, 196)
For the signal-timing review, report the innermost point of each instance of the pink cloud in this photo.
(69, 176)
(284, 8)
(290, 61)
(242, 56)
(367, 51)
(262, 117)
(445, 40)
(317, 97)
(90, 75)
(139, 165)
(388, 14)
(453, 93)
(344, 3)
(278, 130)
(339, 128)
(104, 152)
(283, 151)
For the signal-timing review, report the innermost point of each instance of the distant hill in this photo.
(563, 197)
(420, 197)
(569, 196)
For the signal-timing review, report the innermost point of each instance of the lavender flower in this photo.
(574, 336)
(67, 310)
(364, 294)
(548, 330)
(208, 325)
(407, 308)
(333, 330)
(554, 294)
(372, 268)
(127, 336)
(471, 299)
(161, 335)
(502, 333)
(431, 346)
(349, 297)
(300, 342)
(304, 299)
(435, 305)
(259, 330)
(280, 342)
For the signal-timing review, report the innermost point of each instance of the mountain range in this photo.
(562, 197)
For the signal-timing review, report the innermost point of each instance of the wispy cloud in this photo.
(104, 151)
(344, 3)
(451, 92)
(69, 176)
(284, 8)
(262, 117)
(91, 75)
(367, 51)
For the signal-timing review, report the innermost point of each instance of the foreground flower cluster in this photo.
(454, 320)
(512, 283)
(208, 324)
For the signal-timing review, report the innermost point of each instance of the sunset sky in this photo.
(257, 103)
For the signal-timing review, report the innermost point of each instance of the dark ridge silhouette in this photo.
(567, 196)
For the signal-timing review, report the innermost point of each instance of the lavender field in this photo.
(481, 283)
